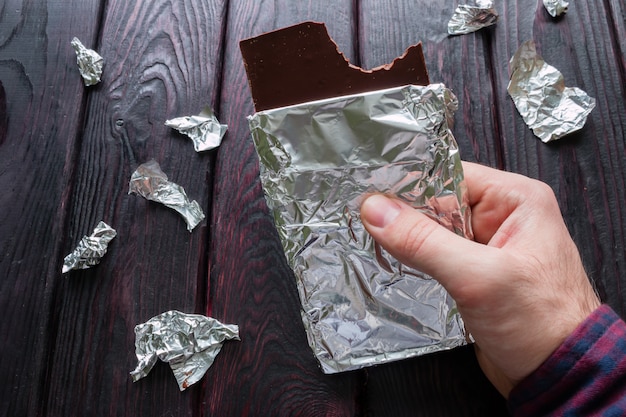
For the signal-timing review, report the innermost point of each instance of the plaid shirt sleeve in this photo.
(585, 376)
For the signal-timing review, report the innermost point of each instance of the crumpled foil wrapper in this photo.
(556, 7)
(468, 19)
(188, 342)
(549, 108)
(318, 161)
(90, 249)
(151, 183)
(205, 130)
(90, 63)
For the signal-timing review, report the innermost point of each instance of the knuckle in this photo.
(545, 191)
(541, 194)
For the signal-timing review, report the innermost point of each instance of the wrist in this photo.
(576, 373)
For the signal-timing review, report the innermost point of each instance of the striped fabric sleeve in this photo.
(585, 376)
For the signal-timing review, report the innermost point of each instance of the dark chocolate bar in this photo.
(302, 63)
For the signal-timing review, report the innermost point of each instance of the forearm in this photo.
(585, 376)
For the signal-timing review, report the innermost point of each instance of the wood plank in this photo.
(272, 371)
(617, 28)
(447, 383)
(440, 384)
(41, 106)
(587, 170)
(162, 60)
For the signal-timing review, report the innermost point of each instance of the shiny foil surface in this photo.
(151, 183)
(204, 129)
(188, 342)
(549, 108)
(90, 249)
(318, 161)
(90, 63)
(556, 7)
(468, 19)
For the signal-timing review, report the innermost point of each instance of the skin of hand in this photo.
(520, 286)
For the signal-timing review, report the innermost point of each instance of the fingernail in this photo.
(379, 211)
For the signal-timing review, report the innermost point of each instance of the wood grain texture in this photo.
(272, 371)
(162, 60)
(67, 153)
(42, 98)
(442, 384)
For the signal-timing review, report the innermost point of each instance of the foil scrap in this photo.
(151, 183)
(90, 63)
(318, 161)
(556, 7)
(468, 19)
(188, 342)
(538, 90)
(204, 129)
(90, 249)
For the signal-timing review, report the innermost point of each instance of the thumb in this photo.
(418, 241)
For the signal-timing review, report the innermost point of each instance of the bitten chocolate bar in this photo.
(302, 63)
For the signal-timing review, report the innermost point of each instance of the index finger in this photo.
(493, 195)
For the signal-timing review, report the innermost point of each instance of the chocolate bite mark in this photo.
(302, 63)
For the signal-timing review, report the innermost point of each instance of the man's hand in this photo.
(520, 287)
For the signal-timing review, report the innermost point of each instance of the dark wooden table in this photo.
(67, 153)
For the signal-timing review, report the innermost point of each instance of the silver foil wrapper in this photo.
(90, 63)
(151, 183)
(468, 19)
(318, 161)
(556, 7)
(549, 108)
(204, 129)
(188, 342)
(90, 249)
